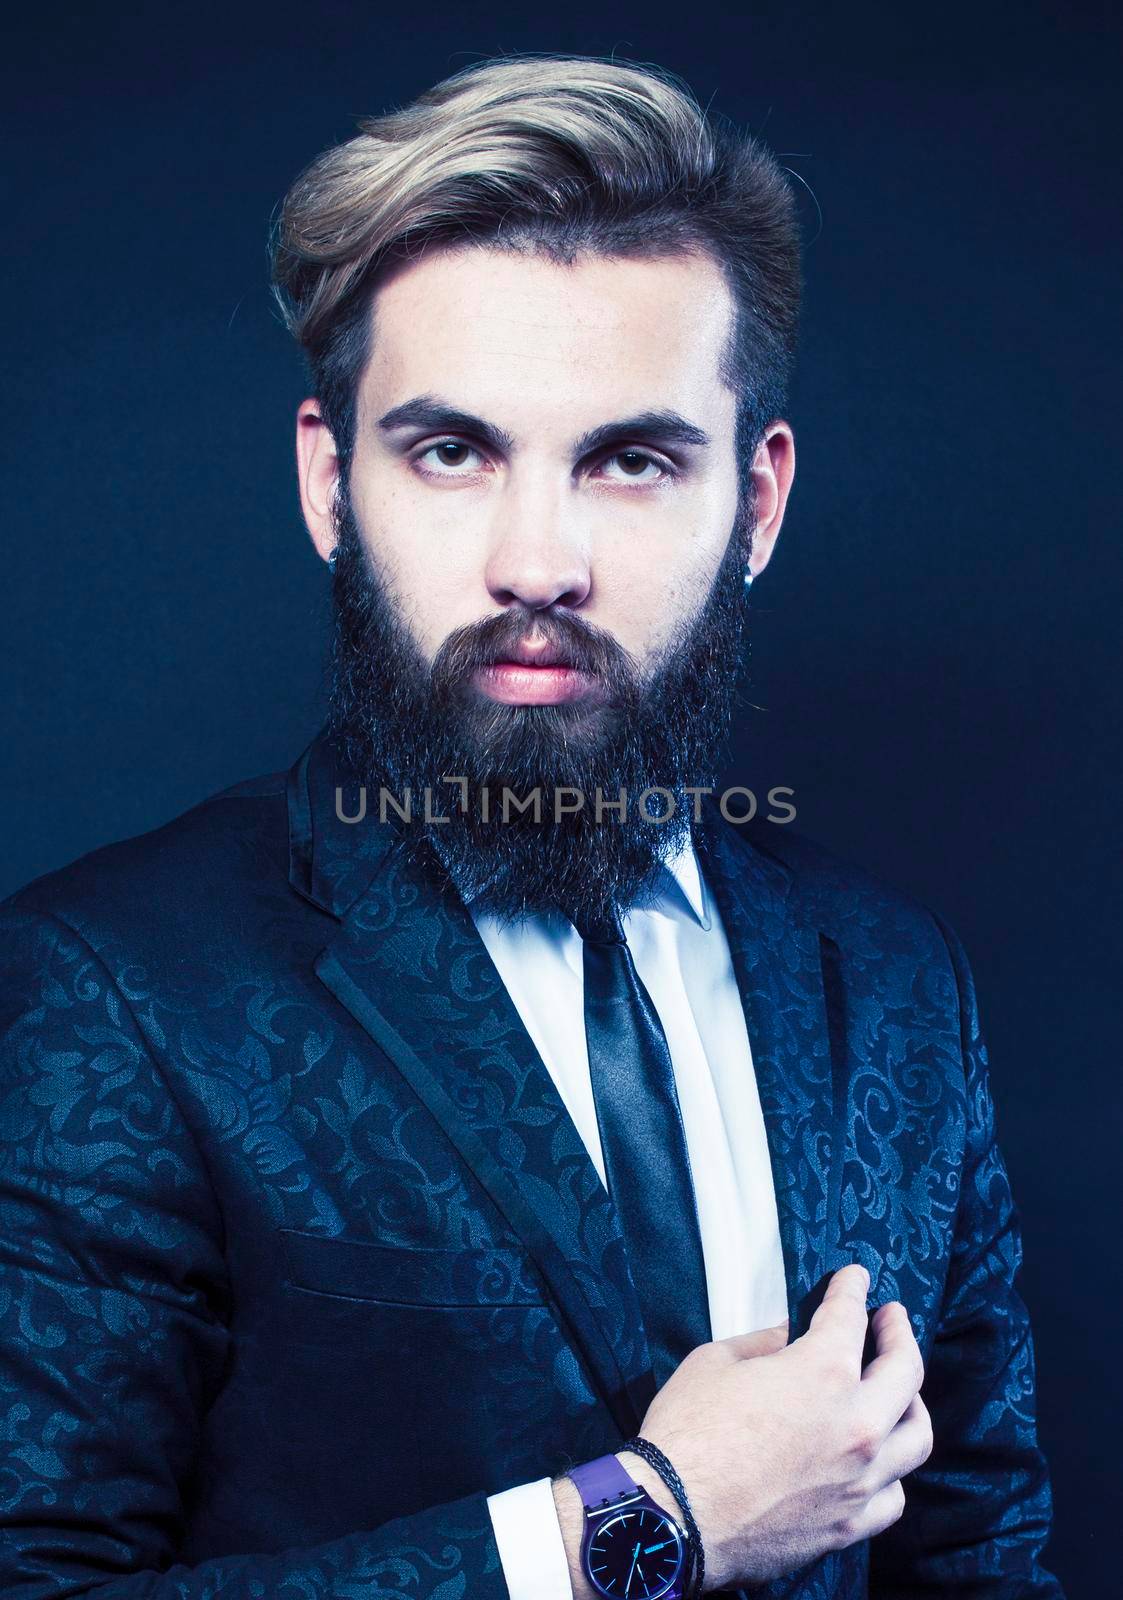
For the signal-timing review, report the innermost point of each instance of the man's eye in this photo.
(636, 466)
(449, 458)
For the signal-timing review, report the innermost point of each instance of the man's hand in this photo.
(787, 1451)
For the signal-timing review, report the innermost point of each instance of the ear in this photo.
(317, 467)
(773, 470)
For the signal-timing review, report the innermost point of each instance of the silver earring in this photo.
(332, 560)
(748, 578)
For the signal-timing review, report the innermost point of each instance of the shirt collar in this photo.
(683, 871)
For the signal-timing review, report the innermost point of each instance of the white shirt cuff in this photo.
(531, 1548)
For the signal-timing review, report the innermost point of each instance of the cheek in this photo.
(652, 585)
(427, 559)
(436, 593)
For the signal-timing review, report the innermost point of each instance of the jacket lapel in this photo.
(787, 973)
(408, 965)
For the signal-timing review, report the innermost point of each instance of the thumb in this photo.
(764, 1342)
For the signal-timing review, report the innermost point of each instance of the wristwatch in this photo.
(631, 1548)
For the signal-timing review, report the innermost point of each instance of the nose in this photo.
(538, 551)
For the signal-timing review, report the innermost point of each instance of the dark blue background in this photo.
(936, 672)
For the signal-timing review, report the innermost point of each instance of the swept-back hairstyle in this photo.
(561, 155)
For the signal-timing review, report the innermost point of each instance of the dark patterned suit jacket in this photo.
(301, 1256)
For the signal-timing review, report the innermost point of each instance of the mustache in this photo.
(570, 640)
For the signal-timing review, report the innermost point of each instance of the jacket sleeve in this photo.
(977, 1514)
(113, 1332)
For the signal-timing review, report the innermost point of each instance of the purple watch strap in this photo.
(601, 1481)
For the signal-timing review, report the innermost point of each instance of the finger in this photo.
(908, 1446)
(886, 1508)
(840, 1320)
(895, 1374)
(764, 1342)
(873, 1517)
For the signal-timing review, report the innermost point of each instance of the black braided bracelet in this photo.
(654, 1457)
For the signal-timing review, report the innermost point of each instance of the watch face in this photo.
(635, 1555)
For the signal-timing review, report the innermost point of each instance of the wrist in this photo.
(647, 1478)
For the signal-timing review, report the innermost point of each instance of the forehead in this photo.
(519, 336)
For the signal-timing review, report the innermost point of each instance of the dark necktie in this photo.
(644, 1147)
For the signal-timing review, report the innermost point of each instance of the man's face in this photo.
(540, 548)
(464, 517)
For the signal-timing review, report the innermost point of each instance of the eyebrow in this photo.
(435, 415)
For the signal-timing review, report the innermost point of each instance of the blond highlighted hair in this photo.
(562, 155)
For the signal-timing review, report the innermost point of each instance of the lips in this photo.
(514, 683)
(536, 670)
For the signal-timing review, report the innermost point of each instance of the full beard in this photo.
(408, 727)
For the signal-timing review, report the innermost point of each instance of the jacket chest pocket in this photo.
(408, 1275)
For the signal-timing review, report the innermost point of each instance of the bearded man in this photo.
(469, 1164)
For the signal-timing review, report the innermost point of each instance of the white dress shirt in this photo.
(681, 954)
